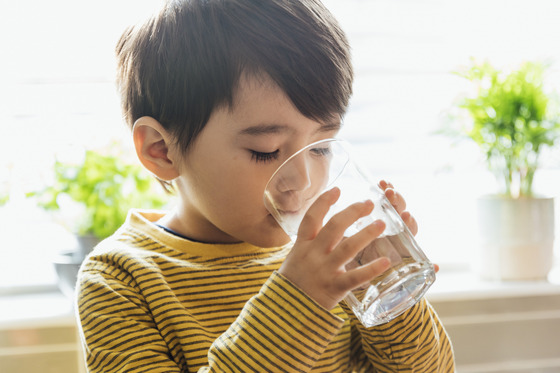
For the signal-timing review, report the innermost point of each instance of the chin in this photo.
(270, 241)
(265, 233)
(271, 237)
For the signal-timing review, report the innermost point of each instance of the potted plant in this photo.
(92, 199)
(512, 119)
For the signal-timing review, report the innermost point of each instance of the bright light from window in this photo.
(57, 95)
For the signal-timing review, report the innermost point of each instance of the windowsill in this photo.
(34, 310)
(466, 285)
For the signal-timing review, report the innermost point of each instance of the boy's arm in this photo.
(117, 330)
(280, 329)
(413, 342)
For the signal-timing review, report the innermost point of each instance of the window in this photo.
(404, 53)
(57, 95)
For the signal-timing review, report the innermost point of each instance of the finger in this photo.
(410, 222)
(396, 199)
(347, 250)
(313, 220)
(383, 184)
(361, 275)
(333, 231)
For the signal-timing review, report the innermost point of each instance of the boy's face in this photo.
(224, 174)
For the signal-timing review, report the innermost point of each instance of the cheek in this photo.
(236, 190)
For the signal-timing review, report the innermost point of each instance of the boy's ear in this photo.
(152, 143)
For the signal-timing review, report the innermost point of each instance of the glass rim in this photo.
(336, 140)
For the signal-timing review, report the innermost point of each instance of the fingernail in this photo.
(385, 262)
(368, 202)
(335, 191)
(379, 223)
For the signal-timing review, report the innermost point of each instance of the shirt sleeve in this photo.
(117, 331)
(415, 341)
(280, 329)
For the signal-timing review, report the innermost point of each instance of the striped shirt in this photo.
(149, 301)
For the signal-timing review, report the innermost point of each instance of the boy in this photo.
(218, 94)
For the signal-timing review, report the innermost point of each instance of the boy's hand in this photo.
(399, 204)
(317, 261)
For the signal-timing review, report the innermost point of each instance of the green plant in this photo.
(4, 198)
(4, 190)
(105, 187)
(511, 120)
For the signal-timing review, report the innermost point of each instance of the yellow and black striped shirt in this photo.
(150, 301)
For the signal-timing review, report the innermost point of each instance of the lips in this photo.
(288, 208)
(292, 204)
(289, 213)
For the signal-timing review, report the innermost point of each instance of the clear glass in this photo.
(329, 163)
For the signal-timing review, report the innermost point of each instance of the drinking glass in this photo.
(325, 164)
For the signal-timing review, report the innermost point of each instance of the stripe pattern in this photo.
(151, 302)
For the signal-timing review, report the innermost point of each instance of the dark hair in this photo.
(186, 61)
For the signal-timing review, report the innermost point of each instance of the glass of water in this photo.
(325, 164)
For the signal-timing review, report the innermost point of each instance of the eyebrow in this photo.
(265, 129)
(328, 127)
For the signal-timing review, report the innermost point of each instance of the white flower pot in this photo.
(516, 238)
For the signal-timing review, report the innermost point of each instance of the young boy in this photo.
(218, 94)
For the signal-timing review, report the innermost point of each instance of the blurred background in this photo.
(58, 100)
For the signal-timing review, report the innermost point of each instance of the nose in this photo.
(295, 175)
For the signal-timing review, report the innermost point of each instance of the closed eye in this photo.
(264, 157)
(322, 152)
